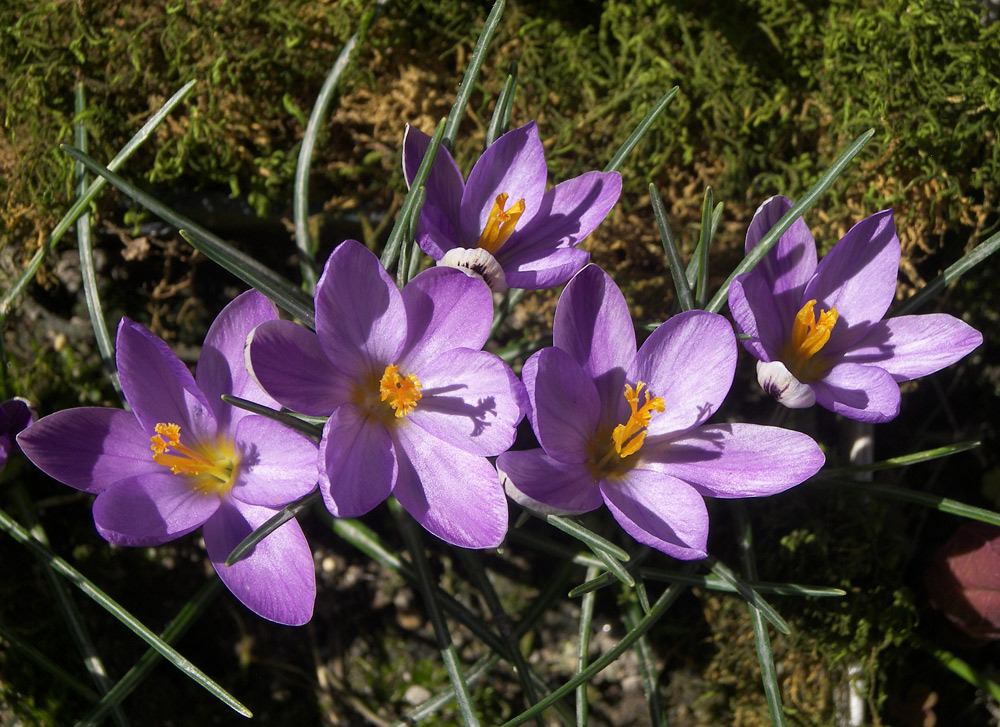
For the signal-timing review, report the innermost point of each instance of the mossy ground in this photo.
(770, 91)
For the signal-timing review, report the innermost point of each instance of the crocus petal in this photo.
(221, 366)
(158, 387)
(445, 309)
(535, 481)
(858, 278)
(470, 399)
(740, 460)
(454, 495)
(568, 213)
(436, 235)
(89, 448)
(775, 378)
(689, 362)
(360, 320)
(659, 511)
(357, 462)
(476, 263)
(514, 164)
(444, 185)
(909, 347)
(288, 362)
(565, 409)
(151, 509)
(863, 393)
(277, 464)
(593, 325)
(277, 580)
(546, 269)
(18, 414)
(755, 315)
(790, 264)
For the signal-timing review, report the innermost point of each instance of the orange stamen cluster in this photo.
(211, 471)
(500, 224)
(809, 335)
(402, 392)
(628, 437)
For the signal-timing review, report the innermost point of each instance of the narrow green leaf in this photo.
(640, 131)
(583, 649)
(300, 197)
(408, 263)
(952, 273)
(253, 273)
(471, 74)
(704, 243)
(716, 583)
(274, 522)
(615, 567)
(805, 202)
(60, 566)
(896, 462)
(647, 667)
(749, 594)
(82, 201)
(292, 422)
(925, 499)
(591, 539)
(399, 230)
(964, 670)
(674, 263)
(606, 578)
(501, 112)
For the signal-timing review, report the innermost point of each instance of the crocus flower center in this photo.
(809, 335)
(212, 470)
(628, 437)
(401, 392)
(500, 224)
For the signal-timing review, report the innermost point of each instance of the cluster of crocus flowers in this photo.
(817, 329)
(414, 405)
(502, 223)
(626, 427)
(183, 459)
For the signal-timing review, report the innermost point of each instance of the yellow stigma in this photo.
(628, 437)
(500, 224)
(808, 338)
(211, 470)
(402, 392)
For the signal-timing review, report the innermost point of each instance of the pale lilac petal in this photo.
(221, 365)
(357, 462)
(909, 347)
(476, 263)
(454, 495)
(444, 185)
(277, 464)
(775, 378)
(752, 306)
(739, 460)
(864, 393)
(158, 387)
(593, 325)
(514, 164)
(445, 309)
(547, 270)
(470, 399)
(568, 213)
(689, 362)
(565, 409)
(360, 319)
(535, 481)
(858, 278)
(790, 264)
(659, 511)
(151, 509)
(89, 448)
(288, 362)
(277, 580)
(435, 233)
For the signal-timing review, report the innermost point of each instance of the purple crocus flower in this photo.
(502, 224)
(816, 330)
(182, 458)
(414, 405)
(626, 428)
(14, 417)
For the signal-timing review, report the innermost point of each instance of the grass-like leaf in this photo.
(274, 522)
(583, 649)
(253, 273)
(749, 594)
(500, 121)
(640, 131)
(716, 583)
(805, 202)
(586, 536)
(674, 263)
(60, 566)
(704, 244)
(925, 499)
(292, 422)
(82, 201)
(906, 460)
(647, 667)
(300, 197)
